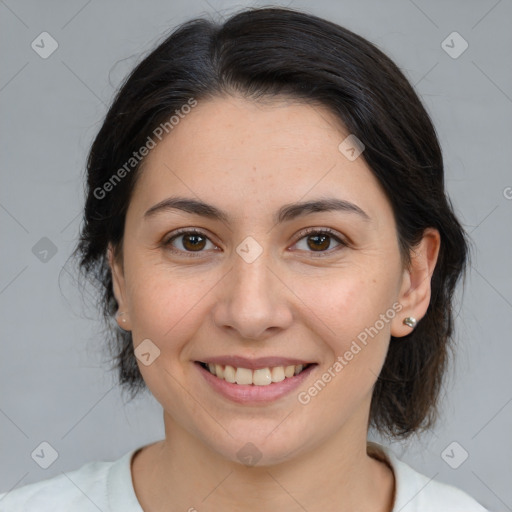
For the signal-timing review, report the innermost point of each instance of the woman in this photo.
(266, 214)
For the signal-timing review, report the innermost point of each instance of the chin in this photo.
(263, 446)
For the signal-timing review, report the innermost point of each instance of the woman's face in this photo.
(255, 284)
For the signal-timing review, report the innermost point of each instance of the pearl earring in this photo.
(120, 314)
(410, 321)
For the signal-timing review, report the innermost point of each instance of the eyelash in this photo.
(301, 235)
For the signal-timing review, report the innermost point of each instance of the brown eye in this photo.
(188, 242)
(320, 241)
(193, 242)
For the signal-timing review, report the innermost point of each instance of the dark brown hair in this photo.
(262, 53)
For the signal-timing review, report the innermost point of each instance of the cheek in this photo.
(346, 305)
(352, 319)
(168, 306)
(168, 309)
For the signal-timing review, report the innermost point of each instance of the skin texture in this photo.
(249, 159)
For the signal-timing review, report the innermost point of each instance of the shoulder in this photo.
(417, 492)
(69, 489)
(83, 489)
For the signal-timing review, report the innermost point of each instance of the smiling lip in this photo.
(251, 394)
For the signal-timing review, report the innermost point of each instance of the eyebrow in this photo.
(287, 212)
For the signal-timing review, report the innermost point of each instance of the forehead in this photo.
(228, 150)
(234, 126)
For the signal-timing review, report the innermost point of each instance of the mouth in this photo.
(254, 377)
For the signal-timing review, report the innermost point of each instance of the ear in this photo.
(415, 290)
(119, 287)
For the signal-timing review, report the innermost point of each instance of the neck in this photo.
(337, 475)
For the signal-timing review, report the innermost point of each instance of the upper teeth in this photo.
(260, 377)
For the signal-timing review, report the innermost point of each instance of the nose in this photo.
(253, 301)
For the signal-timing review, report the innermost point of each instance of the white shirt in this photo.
(108, 486)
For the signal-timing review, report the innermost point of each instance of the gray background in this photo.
(54, 384)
